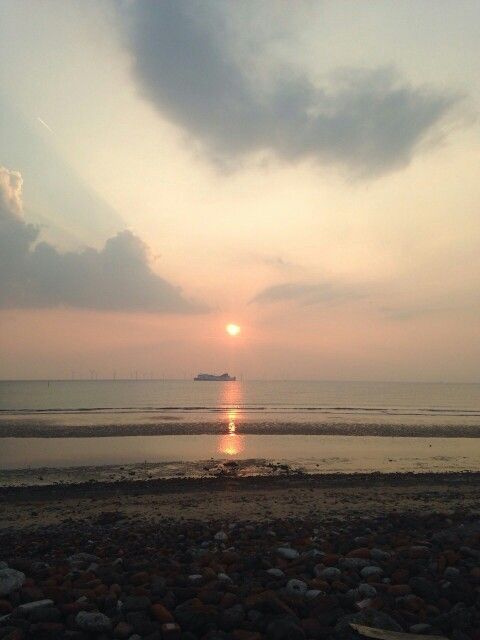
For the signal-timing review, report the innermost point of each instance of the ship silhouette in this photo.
(210, 377)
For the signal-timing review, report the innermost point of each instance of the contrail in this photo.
(45, 124)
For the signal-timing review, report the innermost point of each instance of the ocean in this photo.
(174, 426)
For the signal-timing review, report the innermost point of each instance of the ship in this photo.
(210, 377)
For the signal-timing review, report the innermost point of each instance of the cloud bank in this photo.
(369, 121)
(36, 274)
(308, 294)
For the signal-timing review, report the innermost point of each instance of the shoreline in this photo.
(251, 498)
(325, 480)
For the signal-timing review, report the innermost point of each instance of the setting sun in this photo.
(232, 329)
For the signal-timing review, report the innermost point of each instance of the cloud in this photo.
(309, 294)
(369, 121)
(36, 274)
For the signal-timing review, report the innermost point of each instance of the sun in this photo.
(232, 329)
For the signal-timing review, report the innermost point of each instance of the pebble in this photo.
(93, 621)
(366, 590)
(10, 580)
(31, 606)
(370, 572)
(451, 573)
(354, 563)
(221, 536)
(275, 572)
(287, 553)
(330, 573)
(160, 582)
(296, 587)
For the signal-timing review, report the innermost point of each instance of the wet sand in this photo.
(84, 426)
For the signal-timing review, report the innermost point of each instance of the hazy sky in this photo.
(308, 170)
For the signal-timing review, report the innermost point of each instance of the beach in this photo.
(247, 498)
(242, 558)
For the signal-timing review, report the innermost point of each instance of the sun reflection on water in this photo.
(230, 443)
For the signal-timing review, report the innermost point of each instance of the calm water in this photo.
(254, 399)
(314, 424)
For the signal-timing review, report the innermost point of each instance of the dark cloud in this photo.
(309, 294)
(369, 121)
(36, 274)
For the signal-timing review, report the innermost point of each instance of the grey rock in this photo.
(451, 572)
(10, 580)
(366, 590)
(275, 572)
(287, 553)
(371, 571)
(354, 564)
(421, 627)
(31, 606)
(379, 555)
(223, 577)
(195, 578)
(83, 557)
(330, 573)
(296, 587)
(468, 551)
(93, 621)
(311, 594)
(221, 536)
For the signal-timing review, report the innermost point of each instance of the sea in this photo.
(73, 430)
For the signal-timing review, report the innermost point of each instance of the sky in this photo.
(306, 170)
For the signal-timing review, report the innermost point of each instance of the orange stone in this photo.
(161, 613)
(362, 552)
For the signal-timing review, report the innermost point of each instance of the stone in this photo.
(275, 572)
(366, 590)
(422, 628)
(424, 588)
(287, 553)
(371, 571)
(136, 603)
(93, 621)
(223, 577)
(285, 629)
(354, 564)
(31, 606)
(232, 617)
(83, 557)
(296, 587)
(123, 631)
(368, 617)
(330, 573)
(379, 555)
(451, 573)
(10, 580)
(221, 536)
(161, 613)
(171, 631)
(45, 614)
